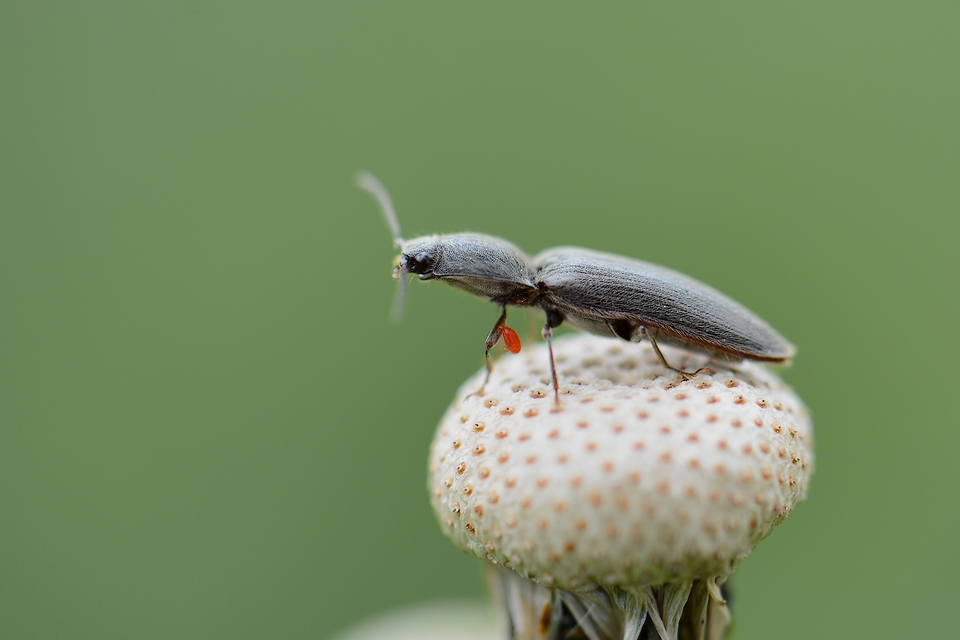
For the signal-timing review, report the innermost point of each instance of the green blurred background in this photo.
(210, 429)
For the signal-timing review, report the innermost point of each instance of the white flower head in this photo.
(627, 505)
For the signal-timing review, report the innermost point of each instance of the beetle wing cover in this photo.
(594, 290)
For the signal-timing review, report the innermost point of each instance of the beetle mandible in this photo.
(600, 293)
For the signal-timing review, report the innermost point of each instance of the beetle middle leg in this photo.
(553, 321)
(681, 374)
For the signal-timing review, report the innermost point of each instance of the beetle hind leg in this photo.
(681, 374)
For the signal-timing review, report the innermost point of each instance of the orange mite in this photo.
(510, 339)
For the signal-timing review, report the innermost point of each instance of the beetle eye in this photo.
(422, 263)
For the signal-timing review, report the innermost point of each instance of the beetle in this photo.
(600, 293)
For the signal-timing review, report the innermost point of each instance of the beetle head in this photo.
(419, 256)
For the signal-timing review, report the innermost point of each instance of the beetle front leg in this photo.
(492, 339)
(681, 374)
(510, 338)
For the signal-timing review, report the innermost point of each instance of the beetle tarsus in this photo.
(683, 376)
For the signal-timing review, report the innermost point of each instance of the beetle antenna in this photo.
(400, 298)
(368, 182)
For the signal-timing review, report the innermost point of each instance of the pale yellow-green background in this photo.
(210, 429)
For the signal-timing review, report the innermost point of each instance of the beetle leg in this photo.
(492, 339)
(681, 374)
(553, 320)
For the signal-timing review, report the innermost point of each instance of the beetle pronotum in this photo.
(601, 293)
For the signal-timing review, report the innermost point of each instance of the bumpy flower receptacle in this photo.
(636, 484)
